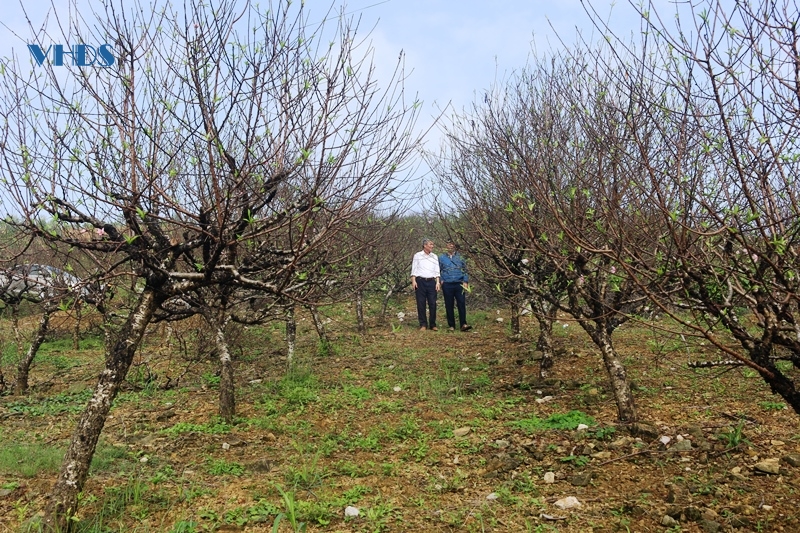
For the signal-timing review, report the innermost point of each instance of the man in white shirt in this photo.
(425, 280)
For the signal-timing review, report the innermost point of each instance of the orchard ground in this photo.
(412, 431)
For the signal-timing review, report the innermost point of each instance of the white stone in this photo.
(568, 503)
(492, 496)
(351, 511)
(664, 439)
(226, 446)
(581, 427)
(549, 477)
(397, 389)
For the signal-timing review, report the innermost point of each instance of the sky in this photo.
(454, 49)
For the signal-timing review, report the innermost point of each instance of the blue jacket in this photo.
(453, 269)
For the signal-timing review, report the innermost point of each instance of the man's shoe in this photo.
(434, 328)
(466, 327)
(422, 328)
(451, 329)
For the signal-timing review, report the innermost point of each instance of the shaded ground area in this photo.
(418, 431)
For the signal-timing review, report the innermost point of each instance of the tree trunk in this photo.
(63, 498)
(385, 305)
(318, 324)
(516, 333)
(15, 327)
(24, 366)
(626, 409)
(227, 397)
(362, 328)
(76, 332)
(291, 334)
(545, 316)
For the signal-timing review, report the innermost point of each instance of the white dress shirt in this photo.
(425, 265)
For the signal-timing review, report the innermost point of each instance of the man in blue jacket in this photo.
(455, 280)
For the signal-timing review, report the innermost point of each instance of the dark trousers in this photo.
(454, 292)
(426, 294)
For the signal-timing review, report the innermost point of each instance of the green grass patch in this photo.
(569, 420)
(215, 427)
(109, 458)
(29, 460)
(221, 467)
(65, 402)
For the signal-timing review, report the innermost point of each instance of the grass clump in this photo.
(29, 460)
(569, 420)
(66, 402)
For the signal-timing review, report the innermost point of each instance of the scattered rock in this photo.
(695, 431)
(549, 477)
(741, 522)
(681, 446)
(692, 513)
(351, 512)
(567, 503)
(768, 466)
(747, 510)
(602, 455)
(582, 450)
(793, 459)
(492, 496)
(736, 474)
(668, 521)
(581, 479)
(501, 464)
(711, 526)
(621, 442)
(646, 431)
(502, 443)
(461, 432)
